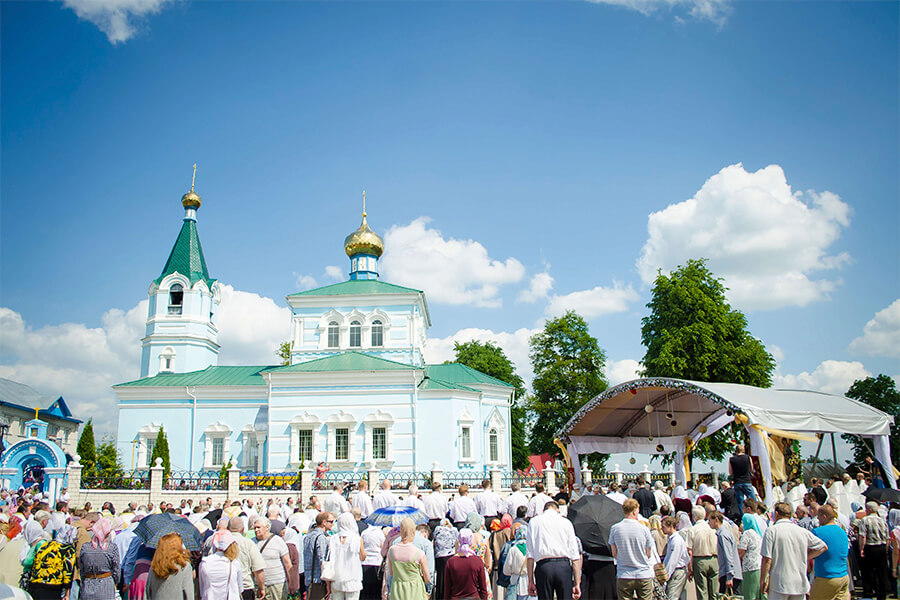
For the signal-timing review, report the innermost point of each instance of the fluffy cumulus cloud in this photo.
(514, 344)
(716, 11)
(593, 303)
(881, 335)
(449, 270)
(831, 376)
(118, 19)
(620, 371)
(538, 289)
(769, 243)
(82, 363)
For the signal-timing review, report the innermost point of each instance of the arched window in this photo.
(377, 334)
(355, 334)
(493, 446)
(176, 298)
(334, 335)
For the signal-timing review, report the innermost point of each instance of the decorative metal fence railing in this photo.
(289, 480)
(403, 479)
(329, 478)
(195, 480)
(524, 480)
(139, 480)
(454, 479)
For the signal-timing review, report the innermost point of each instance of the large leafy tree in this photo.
(161, 450)
(108, 463)
(693, 333)
(87, 450)
(491, 360)
(568, 371)
(880, 392)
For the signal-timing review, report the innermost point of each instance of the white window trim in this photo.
(146, 433)
(336, 421)
(324, 320)
(217, 430)
(379, 418)
(466, 421)
(495, 421)
(168, 354)
(252, 437)
(304, 421)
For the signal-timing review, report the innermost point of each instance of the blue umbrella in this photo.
(153, 527)
(390, 516)
(8, 592)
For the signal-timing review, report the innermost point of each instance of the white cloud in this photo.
(449, 270)
(304, 282)
(620, 371)
(764, 240)
(881, 335)
(116, 18)
(514, 344)
(831, 376)
(82, 363)
(716, 11)
(334, 273)
(539, 288)
(594, 302)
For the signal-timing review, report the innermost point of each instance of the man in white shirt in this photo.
(251, 561)
(461, 506)
(436, 506)
(287, 510)
(412, 498)
(384, 498)
(662, 498)
(615, 494)
(488, 504)
(786, 549)
(632, 546)
(676, 560)
(538, 502)
(553, 558)
(361, 500)
(515, 499)
(335, 503)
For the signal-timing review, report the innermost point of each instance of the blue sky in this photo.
(504, 147)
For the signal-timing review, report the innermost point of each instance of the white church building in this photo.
(357, 391)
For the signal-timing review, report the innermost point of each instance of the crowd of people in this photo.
(675, 543)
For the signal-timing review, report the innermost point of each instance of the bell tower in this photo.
(184, 303)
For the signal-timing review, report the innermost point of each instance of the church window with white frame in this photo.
(341, 443)
(218, 443)
(355, 334)
(495, 432)
(218, 451)
(493, 446)
(176, 298)
(341, 434)
(379, 445)
(334, 335)
(466, 454)
(146, 440)
(304, 439)
(304, 445)
(377, 334)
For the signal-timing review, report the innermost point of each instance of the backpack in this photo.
(54, 564)
(502, 579)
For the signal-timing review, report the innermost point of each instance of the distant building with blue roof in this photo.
(357, 391)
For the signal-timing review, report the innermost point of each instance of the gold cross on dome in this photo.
(364, 203)
(194, 177)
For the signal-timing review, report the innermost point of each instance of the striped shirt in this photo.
(875, 530)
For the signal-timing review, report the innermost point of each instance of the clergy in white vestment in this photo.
(412, 499)
(360, 499)
(384, 498)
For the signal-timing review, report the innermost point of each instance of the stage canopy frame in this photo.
(659, 415)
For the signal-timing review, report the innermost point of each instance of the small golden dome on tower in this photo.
(191, 199)
(364, 240)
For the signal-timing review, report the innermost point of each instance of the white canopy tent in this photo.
(660, 415)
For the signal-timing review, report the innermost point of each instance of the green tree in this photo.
(693, 333)
(568, 371)
(223, 472)
(284, 352)
(108, 463)
(491, 360)
(881, 393)
(161, 450)
(87, 450)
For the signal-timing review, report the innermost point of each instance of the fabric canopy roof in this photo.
(665, 408)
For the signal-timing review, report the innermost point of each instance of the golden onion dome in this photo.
(191, 200)
(364, 241)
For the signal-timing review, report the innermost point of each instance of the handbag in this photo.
(328, 573)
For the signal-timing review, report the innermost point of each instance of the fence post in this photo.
(586, 478)
(671, 474)
(549, 478)
(715, 479)
(437, 474)
(496, 479)
(74, 482)
(617, 474)
(306, 482)
(156, 482)
(647, 475)
(373, 474)
(234, 483)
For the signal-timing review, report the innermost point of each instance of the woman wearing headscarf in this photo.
(516, 566)
(407, 565)
(171, 576)
(99, 566)
(445, 537)
(346, 551)
(839, 493)
(501, 533)
(464, 576)
(659, 538)
(10, 563)
(749, 550)
(220, 576)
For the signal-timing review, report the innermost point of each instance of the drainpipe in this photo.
(193, 417)
(415, 405)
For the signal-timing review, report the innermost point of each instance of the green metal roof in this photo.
(436, 384)
(208, 376)
(187, 256)
(358, 286)
(456, 373)
(345, 361)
